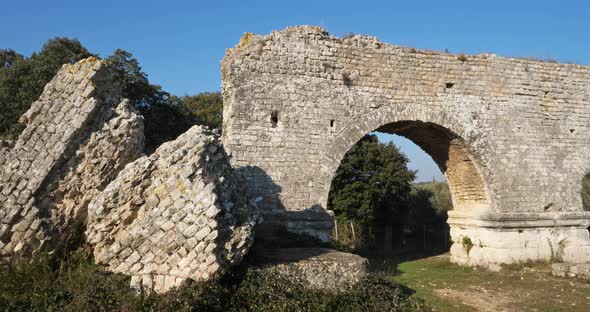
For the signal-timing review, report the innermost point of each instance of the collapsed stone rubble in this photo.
(175, 215)
(79, 134)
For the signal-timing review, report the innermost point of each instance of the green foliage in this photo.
(22, 79)
(441, 196)
(163, 118)
(204, 108)
(8, 57)
(136, 86)
(162, 123)
(75, 283)
(372, 185)
(47, 283)
(429, 203)
(467, 243)
(263, 291)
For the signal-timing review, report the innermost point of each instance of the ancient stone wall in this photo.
(512, 135)
(78, 136)
(175, 215)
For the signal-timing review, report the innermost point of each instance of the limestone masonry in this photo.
(511, 135)
(78, 136)
(177, 214)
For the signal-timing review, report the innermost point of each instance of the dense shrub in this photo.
(75, 283)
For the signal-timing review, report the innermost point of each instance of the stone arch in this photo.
(439, 137)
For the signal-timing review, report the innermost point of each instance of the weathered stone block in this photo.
(316, 268)
(171, 246)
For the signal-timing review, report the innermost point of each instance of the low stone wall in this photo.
(78, 136)
(177, 214)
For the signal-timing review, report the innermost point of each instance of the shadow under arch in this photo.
(438, 135)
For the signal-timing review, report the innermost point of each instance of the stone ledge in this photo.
(578, 219)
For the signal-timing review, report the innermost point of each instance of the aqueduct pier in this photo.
(511, 135)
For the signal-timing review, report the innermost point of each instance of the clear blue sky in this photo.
(180, 43)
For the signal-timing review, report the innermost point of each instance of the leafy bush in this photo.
(75, 283)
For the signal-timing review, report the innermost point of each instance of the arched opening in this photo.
(449, 152)
(405, 231)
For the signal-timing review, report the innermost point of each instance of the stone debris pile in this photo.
(315, 268)
(177, 214)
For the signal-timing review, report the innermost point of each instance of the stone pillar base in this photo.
(492, 240)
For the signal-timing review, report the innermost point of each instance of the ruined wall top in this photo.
(512, 135)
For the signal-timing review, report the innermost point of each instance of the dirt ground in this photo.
(526, 287)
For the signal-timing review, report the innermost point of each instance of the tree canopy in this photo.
(373, 183)
(204, 108)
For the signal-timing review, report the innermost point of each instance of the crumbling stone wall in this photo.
(78, 136)
(511, 135)
(177, 214)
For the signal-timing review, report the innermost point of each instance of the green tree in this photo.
(372, 185)
(8, 57)
(429, 203)
(204, 108)
(22, 79)
(441, 197)
(164, 119)
(136, 86)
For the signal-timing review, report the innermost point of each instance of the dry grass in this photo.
(522, 287)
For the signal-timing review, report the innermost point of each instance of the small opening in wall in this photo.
(572, 130)
(346, 79)
(449, 85)
(274, 118)
(519, 231)
(331, 123)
